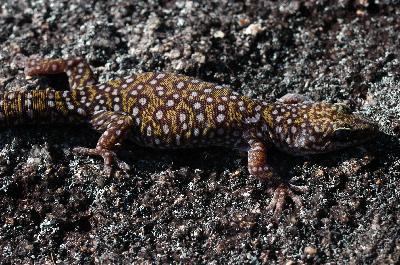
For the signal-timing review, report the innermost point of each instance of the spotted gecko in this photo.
(164, 110)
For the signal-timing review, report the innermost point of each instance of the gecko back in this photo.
(174, 111)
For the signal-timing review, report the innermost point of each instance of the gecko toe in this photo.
(121, 164)
(279, 198)
(19, 60)
(108, 156)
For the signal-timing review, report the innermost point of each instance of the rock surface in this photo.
(201, 206)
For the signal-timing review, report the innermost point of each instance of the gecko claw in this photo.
(108, 156)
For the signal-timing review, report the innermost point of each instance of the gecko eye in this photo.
(342, 134)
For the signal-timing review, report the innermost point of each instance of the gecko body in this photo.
(163, 110)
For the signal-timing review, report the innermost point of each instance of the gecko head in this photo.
(312, 128)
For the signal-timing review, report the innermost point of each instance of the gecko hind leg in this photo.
(77, 70)
(115, 127)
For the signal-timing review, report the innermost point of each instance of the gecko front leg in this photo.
(259, 167)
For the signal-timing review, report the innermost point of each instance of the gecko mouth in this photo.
(367, 129)
(364, 130)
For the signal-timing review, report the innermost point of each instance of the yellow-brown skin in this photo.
(313, 128)
(163, 110)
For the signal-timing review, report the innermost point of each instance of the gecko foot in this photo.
(282, 191)
(19, 60)
(108, 156)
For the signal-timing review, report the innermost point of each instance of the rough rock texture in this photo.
(201, 206)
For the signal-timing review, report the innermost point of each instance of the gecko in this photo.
(166, 110)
